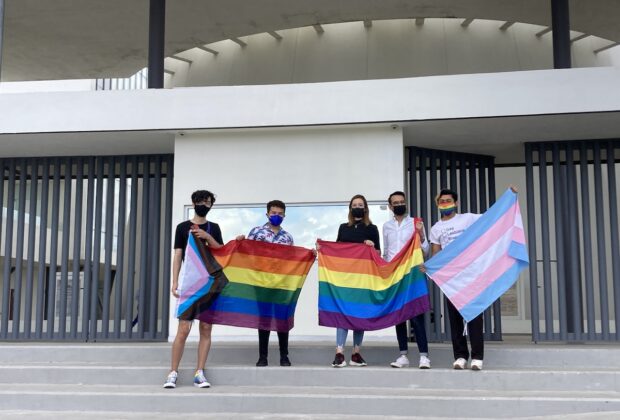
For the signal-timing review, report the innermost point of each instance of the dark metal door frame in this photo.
(85, 247)
(473, 177)
(571, 280)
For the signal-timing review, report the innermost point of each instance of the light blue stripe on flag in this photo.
(190, 301)
(492, 292)
(471, 234)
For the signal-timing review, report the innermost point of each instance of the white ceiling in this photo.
(86, 144)
(503, 137)
(65, 39)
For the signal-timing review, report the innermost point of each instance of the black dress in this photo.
(358, 233)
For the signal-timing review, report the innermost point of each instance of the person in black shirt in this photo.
(210, 233)
(359, 229)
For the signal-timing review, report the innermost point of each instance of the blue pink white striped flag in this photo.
(200, 281)
(484, 261)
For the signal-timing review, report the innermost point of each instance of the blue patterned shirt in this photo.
(265, 234)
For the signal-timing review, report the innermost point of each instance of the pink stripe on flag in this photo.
(198, 267)
(476, 249)
(468, 274)
(518, 236)
(499, 267)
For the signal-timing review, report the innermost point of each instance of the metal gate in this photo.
(573, 239)
(473, 177)
(85, 252)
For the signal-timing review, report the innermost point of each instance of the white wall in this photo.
(298, 165)
(47, 86)
(350, 102)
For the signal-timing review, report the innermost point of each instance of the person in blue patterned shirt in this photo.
(272, 232)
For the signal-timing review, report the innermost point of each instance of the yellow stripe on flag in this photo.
(262, 279)
(370, 281)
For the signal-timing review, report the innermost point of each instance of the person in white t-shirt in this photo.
(446, 230)
(396, 234)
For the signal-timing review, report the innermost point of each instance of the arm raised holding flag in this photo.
(481, 257)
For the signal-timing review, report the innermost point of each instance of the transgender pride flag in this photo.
(200, 281)
(484, 261)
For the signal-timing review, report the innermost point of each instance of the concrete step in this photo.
(312, 376)
(121, 379)
(497, 355)
(120, 415)
(309, 400)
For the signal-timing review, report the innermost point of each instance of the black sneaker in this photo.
(284, 361)
(339, 361)
(262, 361)
(357, 360)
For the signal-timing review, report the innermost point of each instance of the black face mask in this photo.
(201, 210)
(400, 210)
(357, 212)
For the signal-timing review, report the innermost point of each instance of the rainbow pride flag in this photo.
(358, 290)
(200, 280)
(484, 261)
(265, 280)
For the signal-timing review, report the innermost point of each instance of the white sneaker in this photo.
(200, 381)
(476, 364)
(171, 380)
(460, 364)
(425, 362)
(402, 361)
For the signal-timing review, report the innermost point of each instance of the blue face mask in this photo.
(276, 219)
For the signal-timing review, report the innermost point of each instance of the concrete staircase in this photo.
(124, 381)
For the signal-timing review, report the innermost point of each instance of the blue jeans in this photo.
(341, 337)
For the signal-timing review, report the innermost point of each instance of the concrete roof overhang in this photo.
(478, 113)
(65, 39)
(501, 137)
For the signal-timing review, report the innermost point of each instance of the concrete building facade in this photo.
(310, 103)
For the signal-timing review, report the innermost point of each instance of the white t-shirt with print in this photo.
(445, 231)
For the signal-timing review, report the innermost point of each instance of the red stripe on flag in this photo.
(263, 249)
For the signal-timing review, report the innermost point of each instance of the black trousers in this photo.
(474, 331)
(419, 330)
(263, 343)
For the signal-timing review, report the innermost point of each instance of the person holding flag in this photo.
(481, 257)
(272, 232)
(358, 229)
(446, 230)
(209, 232)
(359, 290)
(396, 234)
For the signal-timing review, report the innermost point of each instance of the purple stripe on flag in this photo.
(237, 319)
(408, 311)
